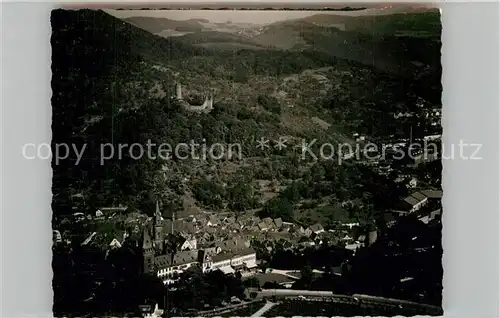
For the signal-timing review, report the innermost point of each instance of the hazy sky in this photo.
(257, 17)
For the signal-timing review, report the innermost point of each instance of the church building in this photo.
(157, 258)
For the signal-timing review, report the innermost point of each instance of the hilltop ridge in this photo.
(404, 43)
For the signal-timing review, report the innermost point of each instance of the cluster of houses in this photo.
(431, 114)
(227, 242)
(216, 235)
(425, 204)
(209, 228)
(211, 241)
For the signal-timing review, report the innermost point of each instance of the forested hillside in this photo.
(112, 83)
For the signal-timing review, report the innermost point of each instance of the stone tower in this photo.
(207, 105)
(210, 102)
(158, 228)
(148, 253)
(178, 91)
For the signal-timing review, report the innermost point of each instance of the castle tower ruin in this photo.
(210, 103)
(206, 107)
(178, 91)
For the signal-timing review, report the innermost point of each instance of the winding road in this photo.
(264, 309)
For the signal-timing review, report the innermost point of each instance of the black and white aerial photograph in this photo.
(257, 160)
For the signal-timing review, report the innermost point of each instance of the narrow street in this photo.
(264, 309)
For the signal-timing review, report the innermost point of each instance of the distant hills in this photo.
(157, 25)
(384, 41)
(397, 42)
(224, 5)
(414, 23)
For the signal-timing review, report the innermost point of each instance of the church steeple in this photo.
(158, 228)
(172, 223)
(157, 214)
